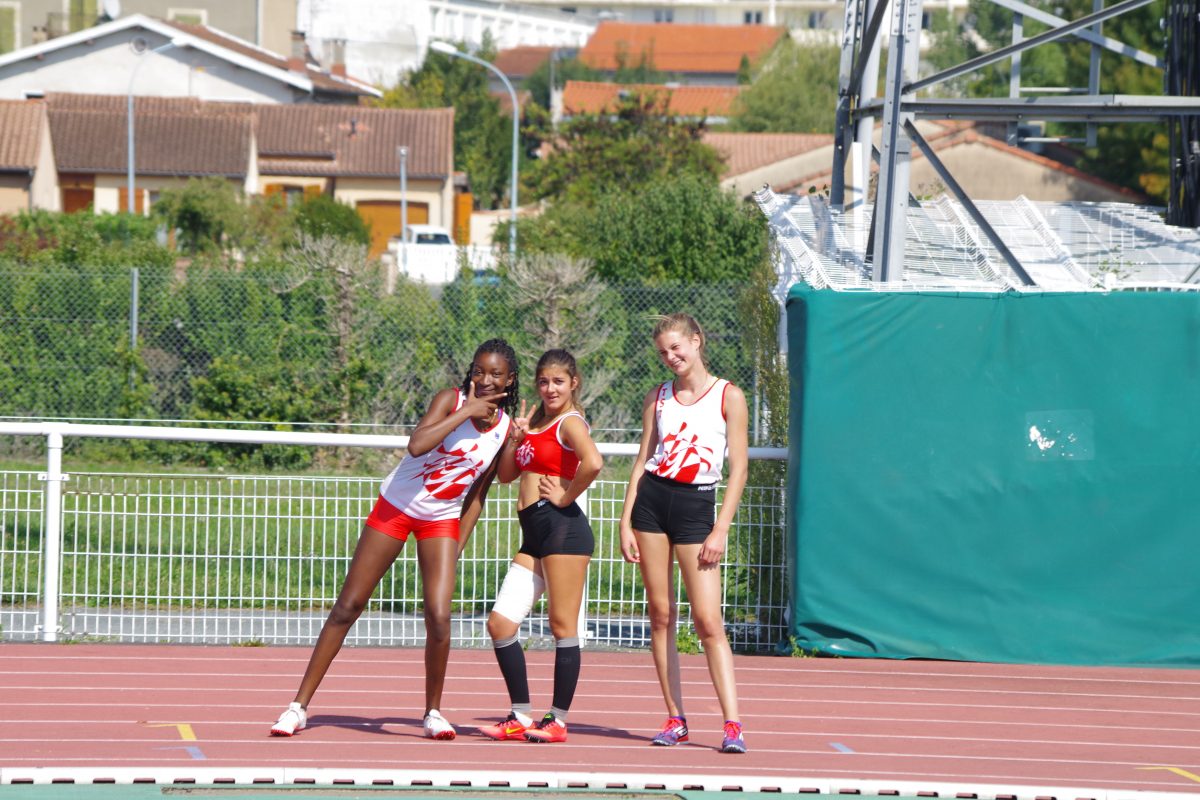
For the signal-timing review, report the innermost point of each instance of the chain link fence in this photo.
(284, 345)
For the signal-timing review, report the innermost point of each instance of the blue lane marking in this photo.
(841, 748)
(192, 750)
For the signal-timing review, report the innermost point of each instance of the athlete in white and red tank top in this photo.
(435, 495)
(432, 486)
(691, 437)
(690, 426)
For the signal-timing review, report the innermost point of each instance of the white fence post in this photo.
(52, 542)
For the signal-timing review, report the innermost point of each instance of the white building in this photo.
(385, 38)
(794, 14)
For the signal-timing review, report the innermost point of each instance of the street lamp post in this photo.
(450, 50)
(130, 179)
(403, 153)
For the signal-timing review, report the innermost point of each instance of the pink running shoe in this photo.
(510, 728)
(734, 742)
(548, 730)
(674, 731)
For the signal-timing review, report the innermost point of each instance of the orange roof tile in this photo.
(521, 62)
(747, 151)
(590, 97)
(20, 134)
(679, 48)
(178, 136)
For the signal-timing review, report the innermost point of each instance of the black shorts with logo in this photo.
(547, 530)
(685, 512)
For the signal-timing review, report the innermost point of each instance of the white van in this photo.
(429, 257)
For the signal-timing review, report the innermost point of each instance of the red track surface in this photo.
(820, 724)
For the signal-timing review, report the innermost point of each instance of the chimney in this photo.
(337, 60)
(296, 61)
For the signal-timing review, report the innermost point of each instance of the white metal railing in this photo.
(220, 558)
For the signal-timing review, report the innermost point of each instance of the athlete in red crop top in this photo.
(556, 460)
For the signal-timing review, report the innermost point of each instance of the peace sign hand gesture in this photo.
(520, 425)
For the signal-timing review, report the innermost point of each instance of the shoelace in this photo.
(733, 730)
(673, 724)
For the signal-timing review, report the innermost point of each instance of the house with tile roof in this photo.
(76, 159)
(694, 54)
(203, 63)
(710, 103)
(987, 168)
(778, 159)
(27, 171)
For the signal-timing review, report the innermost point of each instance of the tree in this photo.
(321, 216)
(677, 229)
(795, 91)
(204, 211)
(563, 69)
(1127, 154)
(638, 144)
(482, 134)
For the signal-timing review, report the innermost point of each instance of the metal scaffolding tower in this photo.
(898, 105)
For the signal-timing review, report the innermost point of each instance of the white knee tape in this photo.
(521, 589)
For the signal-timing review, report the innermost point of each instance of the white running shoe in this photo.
(436, 726)
(290, 721)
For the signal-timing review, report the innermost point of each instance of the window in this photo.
(83, 14)
(9, 26)
(752, 17)
(664, 15)
(188, 16)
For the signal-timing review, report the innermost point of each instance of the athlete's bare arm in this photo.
(629, 548)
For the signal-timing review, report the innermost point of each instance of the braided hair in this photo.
(504, 349)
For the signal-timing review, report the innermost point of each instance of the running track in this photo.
(171, 714)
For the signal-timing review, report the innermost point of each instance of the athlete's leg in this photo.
(501, 624)
(565, 577)
(372, 557)
(658, 575)
(437, 557)
(703, 583)
(521, 588)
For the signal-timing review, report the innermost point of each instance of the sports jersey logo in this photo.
(524, 454)
(449, 475)
(683, 457)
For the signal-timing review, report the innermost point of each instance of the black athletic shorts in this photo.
(685, 512)
(547, 530)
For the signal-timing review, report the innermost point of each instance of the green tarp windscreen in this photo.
(995, 477)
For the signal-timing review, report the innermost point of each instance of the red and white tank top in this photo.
(544, 452)
(432, 486)
(691, 439)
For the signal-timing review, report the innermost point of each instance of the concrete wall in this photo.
(986, 173)
(437, 194)
(44, 191)
(14, 193)
(267, 23)
(105, 66)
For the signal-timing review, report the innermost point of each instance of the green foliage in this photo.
(564, 69)
(638, 145)
(683, 229)
(204, 211)
(637, 68)
(482, 134)
(795, 91)
(1129, 155)
(321, 215)
(686, 640)
(50, 238)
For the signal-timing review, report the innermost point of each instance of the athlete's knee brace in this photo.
(521, 589)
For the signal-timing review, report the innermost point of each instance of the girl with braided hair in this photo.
(436, 493)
